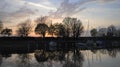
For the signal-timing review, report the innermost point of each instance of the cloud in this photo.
(22, 12)
(106, 0)
(17, 9)
(68, 8)
(40, 5)
(12, 11)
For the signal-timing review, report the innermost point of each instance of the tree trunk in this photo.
(43, 35)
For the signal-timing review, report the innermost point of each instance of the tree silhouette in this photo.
(60, 30)
(24, 28)
(73, 27)
(41, 29)
(118, 33)
(51, 29)
(67, 22)
(77, 28)
(1, 25)
(6, 31)
(111, 30)
(102, 32)
(93, 32)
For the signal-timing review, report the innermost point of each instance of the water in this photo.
(78, 58)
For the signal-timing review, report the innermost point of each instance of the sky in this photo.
(99, 13)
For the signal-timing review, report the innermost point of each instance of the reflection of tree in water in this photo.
(71, 59)
(1, 59)
(103, 51)
(42, 56)
(74, 60)
(110, 52)
(50, 57)
(94, 51)
(5, 56)
(24, 60)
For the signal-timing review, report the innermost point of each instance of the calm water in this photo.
(81, 58)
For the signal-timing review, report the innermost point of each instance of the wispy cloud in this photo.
(68, 8)
(17, 9)
(40, 5)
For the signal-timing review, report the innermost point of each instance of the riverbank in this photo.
(30, 44)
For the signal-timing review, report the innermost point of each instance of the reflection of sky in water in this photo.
(96, 59)
(101, 60)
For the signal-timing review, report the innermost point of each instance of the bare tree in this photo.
(77, 28)
(24, 28)
(102, 32)
(73, 27)
(6, 31)
(51, 29)
(111, 30)
(118, 32)
(1, 25)
(60, 30)
(41, 29)
(68, 23)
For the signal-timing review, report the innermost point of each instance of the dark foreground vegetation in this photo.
(30, 44)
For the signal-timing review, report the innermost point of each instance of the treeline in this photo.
(70, 27)
(110, 31)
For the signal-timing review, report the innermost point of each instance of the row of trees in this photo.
(110, 31)
(70, 27)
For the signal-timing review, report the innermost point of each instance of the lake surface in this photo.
(77, 58)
